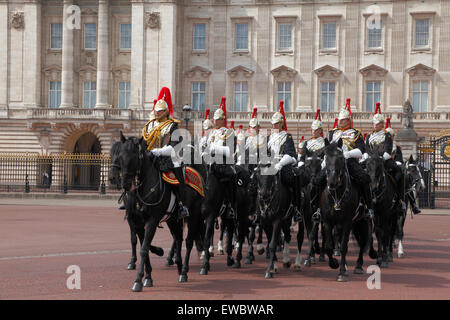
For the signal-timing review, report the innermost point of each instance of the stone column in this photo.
(3, 55)
(103, 55)
(137, 54)
(407, 137)
(67, 58)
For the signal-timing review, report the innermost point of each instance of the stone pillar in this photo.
(67, 58)
(407, 137)
(32, 53)
(137, 54)
(103, 55)
(3, 55)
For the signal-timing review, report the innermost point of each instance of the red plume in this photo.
(318, 115)
(240, 128)
(224, 108)
(206, 117)
(301, 139)
(255, 112)
(284, 116)
(165, 95)
(388, 123)
(154, 103)
(335, 123)
(232, 125)
(364, 136)
(377, 108)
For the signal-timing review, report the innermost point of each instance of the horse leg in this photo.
(311, 232)
(208, 240)
(343, 275)
(360, 230)
(276, 230)
(177, 227)
(150, 229)
(286, 227)
(220, 243)
(251, 238)
(229, 227)
(259, 246)
(193, 231)
(336, 241)
(400, 225)
(132, 263)
(169, 260)
(322, 248)
(300, 236)
(332, 262)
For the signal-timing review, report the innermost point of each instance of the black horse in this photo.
(414, 184)
(340, 208)
(274, 199)
(386, 208)
(156, 200)
(132, 214)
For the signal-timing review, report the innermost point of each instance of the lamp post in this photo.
(187, 115)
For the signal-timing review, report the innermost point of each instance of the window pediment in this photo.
(420, 69)
(53, 72)
(374, 69)
(284, 71)
(199, 70)
(328, 70)
(240, 69)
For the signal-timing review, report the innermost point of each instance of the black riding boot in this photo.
(183, 211)
(399, 179)
(412, 202)
(368, 200)
(298, 215)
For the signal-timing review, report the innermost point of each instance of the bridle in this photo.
(346, 191)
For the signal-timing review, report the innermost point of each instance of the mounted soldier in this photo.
(397, 156)
(281, 147)
(382, 140)
(352, 147)
(207, 126)
(158, 132)
(221, 144)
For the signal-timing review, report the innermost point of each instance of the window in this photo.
(284, 94)
(90, 36)
(327, 96)
(124, 94)
(198, 96)
(56, 36)
(374, 36)
(285, 36)
(199, 36)
(125, 36)
(422, 33)
(240, 96)
(329, 35)
(241, 36)
(373, 94)
(54, 94)
(420, 96)
(89, 94)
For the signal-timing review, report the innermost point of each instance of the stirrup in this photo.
(298, 216)
(369, 214)
(316, 215)
(183, 212)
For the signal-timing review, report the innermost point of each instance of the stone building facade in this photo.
(75, 73)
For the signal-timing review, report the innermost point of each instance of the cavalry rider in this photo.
(252, 144)
(397, 155)
(352, 147)
(158, 135)
(221, 143)
(316, 145)
(207, 128)
(282, 148)
(380, 138)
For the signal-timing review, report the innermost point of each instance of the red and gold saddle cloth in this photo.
(191, 177)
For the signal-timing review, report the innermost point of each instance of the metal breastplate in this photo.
(219, 136)
(276, 140)
(164, 134)
(315, 145)
(348, 138)
(377, 138)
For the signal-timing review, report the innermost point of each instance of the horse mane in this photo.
(333, 149)
(115, 149)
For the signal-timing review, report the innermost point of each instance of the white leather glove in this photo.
(364, 157)
(222, 150)
(398, 163)
(323, 164)
(355, 153)
(301, 164)
(386, 156)
(287, 159)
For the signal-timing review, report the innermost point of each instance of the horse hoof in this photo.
(286, 265)
(221, 253)
(230, 261)
(268, 275)
(384, 264)
(137, 287)
(322, 259)
(183, 278)
(261, 251)
(307, 263)
(373, 254)
(333, 263)
(148, 283)
(211, 254)
(169, 262)
(203, 271)
(248, 260)
(358, 270)
(297, 268)
(313, 260)
(237, 265)
(400, 255)
(337, 253)
(342, 278)
(158, 251)
(131, 266)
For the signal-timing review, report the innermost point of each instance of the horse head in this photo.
(375, 168)
(130, 159)
(414, 175)
(313, 164)
(335, 164)
(114, 169)
(268, 185)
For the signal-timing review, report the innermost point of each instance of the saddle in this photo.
(191, 177)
